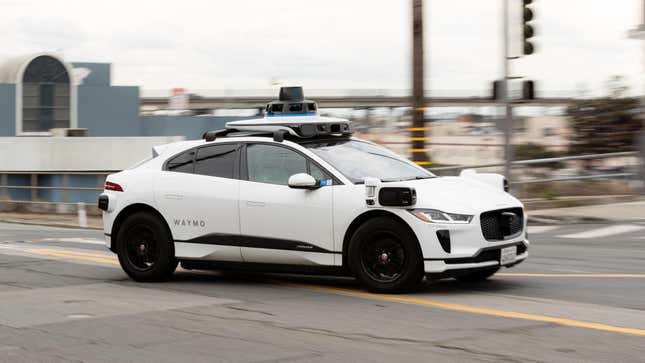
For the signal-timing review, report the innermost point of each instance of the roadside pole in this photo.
(418, 131)
(508, 122)
(639, 33)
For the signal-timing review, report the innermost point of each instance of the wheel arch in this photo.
(366, 216)
(127, 212)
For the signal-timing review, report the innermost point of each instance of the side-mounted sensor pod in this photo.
(397, 196)
(371, 184)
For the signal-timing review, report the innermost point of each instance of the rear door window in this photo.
(217, 160)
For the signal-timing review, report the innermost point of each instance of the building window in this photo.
(45, 95)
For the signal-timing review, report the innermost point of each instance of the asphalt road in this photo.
(579, 297)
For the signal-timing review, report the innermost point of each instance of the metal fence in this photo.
(33, 186)
(552, 160)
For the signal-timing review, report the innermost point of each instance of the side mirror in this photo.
(302, 181)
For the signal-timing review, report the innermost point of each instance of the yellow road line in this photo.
(510, 274)
(418, 138)
(417, 128)
(80, 256)
(423, 162)
(417, 150)
(70, 252)
(477, 310)
(422, 108)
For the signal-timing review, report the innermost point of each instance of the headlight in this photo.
(437, 216)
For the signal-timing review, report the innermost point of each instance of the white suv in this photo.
(299, 194)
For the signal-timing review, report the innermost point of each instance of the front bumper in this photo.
(484, 258)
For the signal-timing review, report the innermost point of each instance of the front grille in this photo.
(498, 225)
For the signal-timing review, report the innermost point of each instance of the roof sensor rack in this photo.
(286, 122)
(316, 127)
(292, 102)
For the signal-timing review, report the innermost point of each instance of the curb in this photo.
(53, 224)
(550, 220)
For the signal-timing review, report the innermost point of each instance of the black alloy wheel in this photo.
(142, 249)
(385, 256)
(145, 248)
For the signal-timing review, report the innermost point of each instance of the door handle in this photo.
(251, 203)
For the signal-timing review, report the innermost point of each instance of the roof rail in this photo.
(213, 134)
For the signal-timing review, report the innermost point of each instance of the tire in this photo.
(385, 257)
(145, 248)
(478, 276)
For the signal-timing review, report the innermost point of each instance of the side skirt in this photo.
(263, 267)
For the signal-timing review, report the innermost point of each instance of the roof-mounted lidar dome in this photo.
(292, 102)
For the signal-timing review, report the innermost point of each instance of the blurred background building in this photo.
(59, 117)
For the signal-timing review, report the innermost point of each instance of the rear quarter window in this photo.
(182, 163)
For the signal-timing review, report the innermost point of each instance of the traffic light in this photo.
(527, 27)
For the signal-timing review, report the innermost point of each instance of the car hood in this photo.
(460, 195)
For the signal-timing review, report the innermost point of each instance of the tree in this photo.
(604, 125)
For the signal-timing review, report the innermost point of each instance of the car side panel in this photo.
(137, 189)
(202, 213)
(293, 226)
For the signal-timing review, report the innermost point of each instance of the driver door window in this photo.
(273, 164)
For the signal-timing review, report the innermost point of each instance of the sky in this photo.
(332, 44)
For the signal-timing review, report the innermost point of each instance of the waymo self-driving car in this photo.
(295, 192)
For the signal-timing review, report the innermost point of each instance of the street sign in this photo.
(178, 99)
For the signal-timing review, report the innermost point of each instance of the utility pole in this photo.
(506, 97)
(418, 130)
(639, 33)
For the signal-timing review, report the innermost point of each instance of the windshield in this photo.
(358, 160)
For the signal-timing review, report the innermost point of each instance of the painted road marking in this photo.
(515, 274)
(93, 241)
(79, 256)
(476, 310)
(541, 229)
(604, 231)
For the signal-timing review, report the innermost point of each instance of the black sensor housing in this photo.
(397, 197)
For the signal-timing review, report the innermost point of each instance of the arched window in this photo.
(45, 95)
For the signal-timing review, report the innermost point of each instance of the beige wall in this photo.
(76, 153)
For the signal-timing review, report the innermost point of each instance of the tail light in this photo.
(113, 187)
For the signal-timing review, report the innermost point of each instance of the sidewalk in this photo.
(54, 220)
(616, 212)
